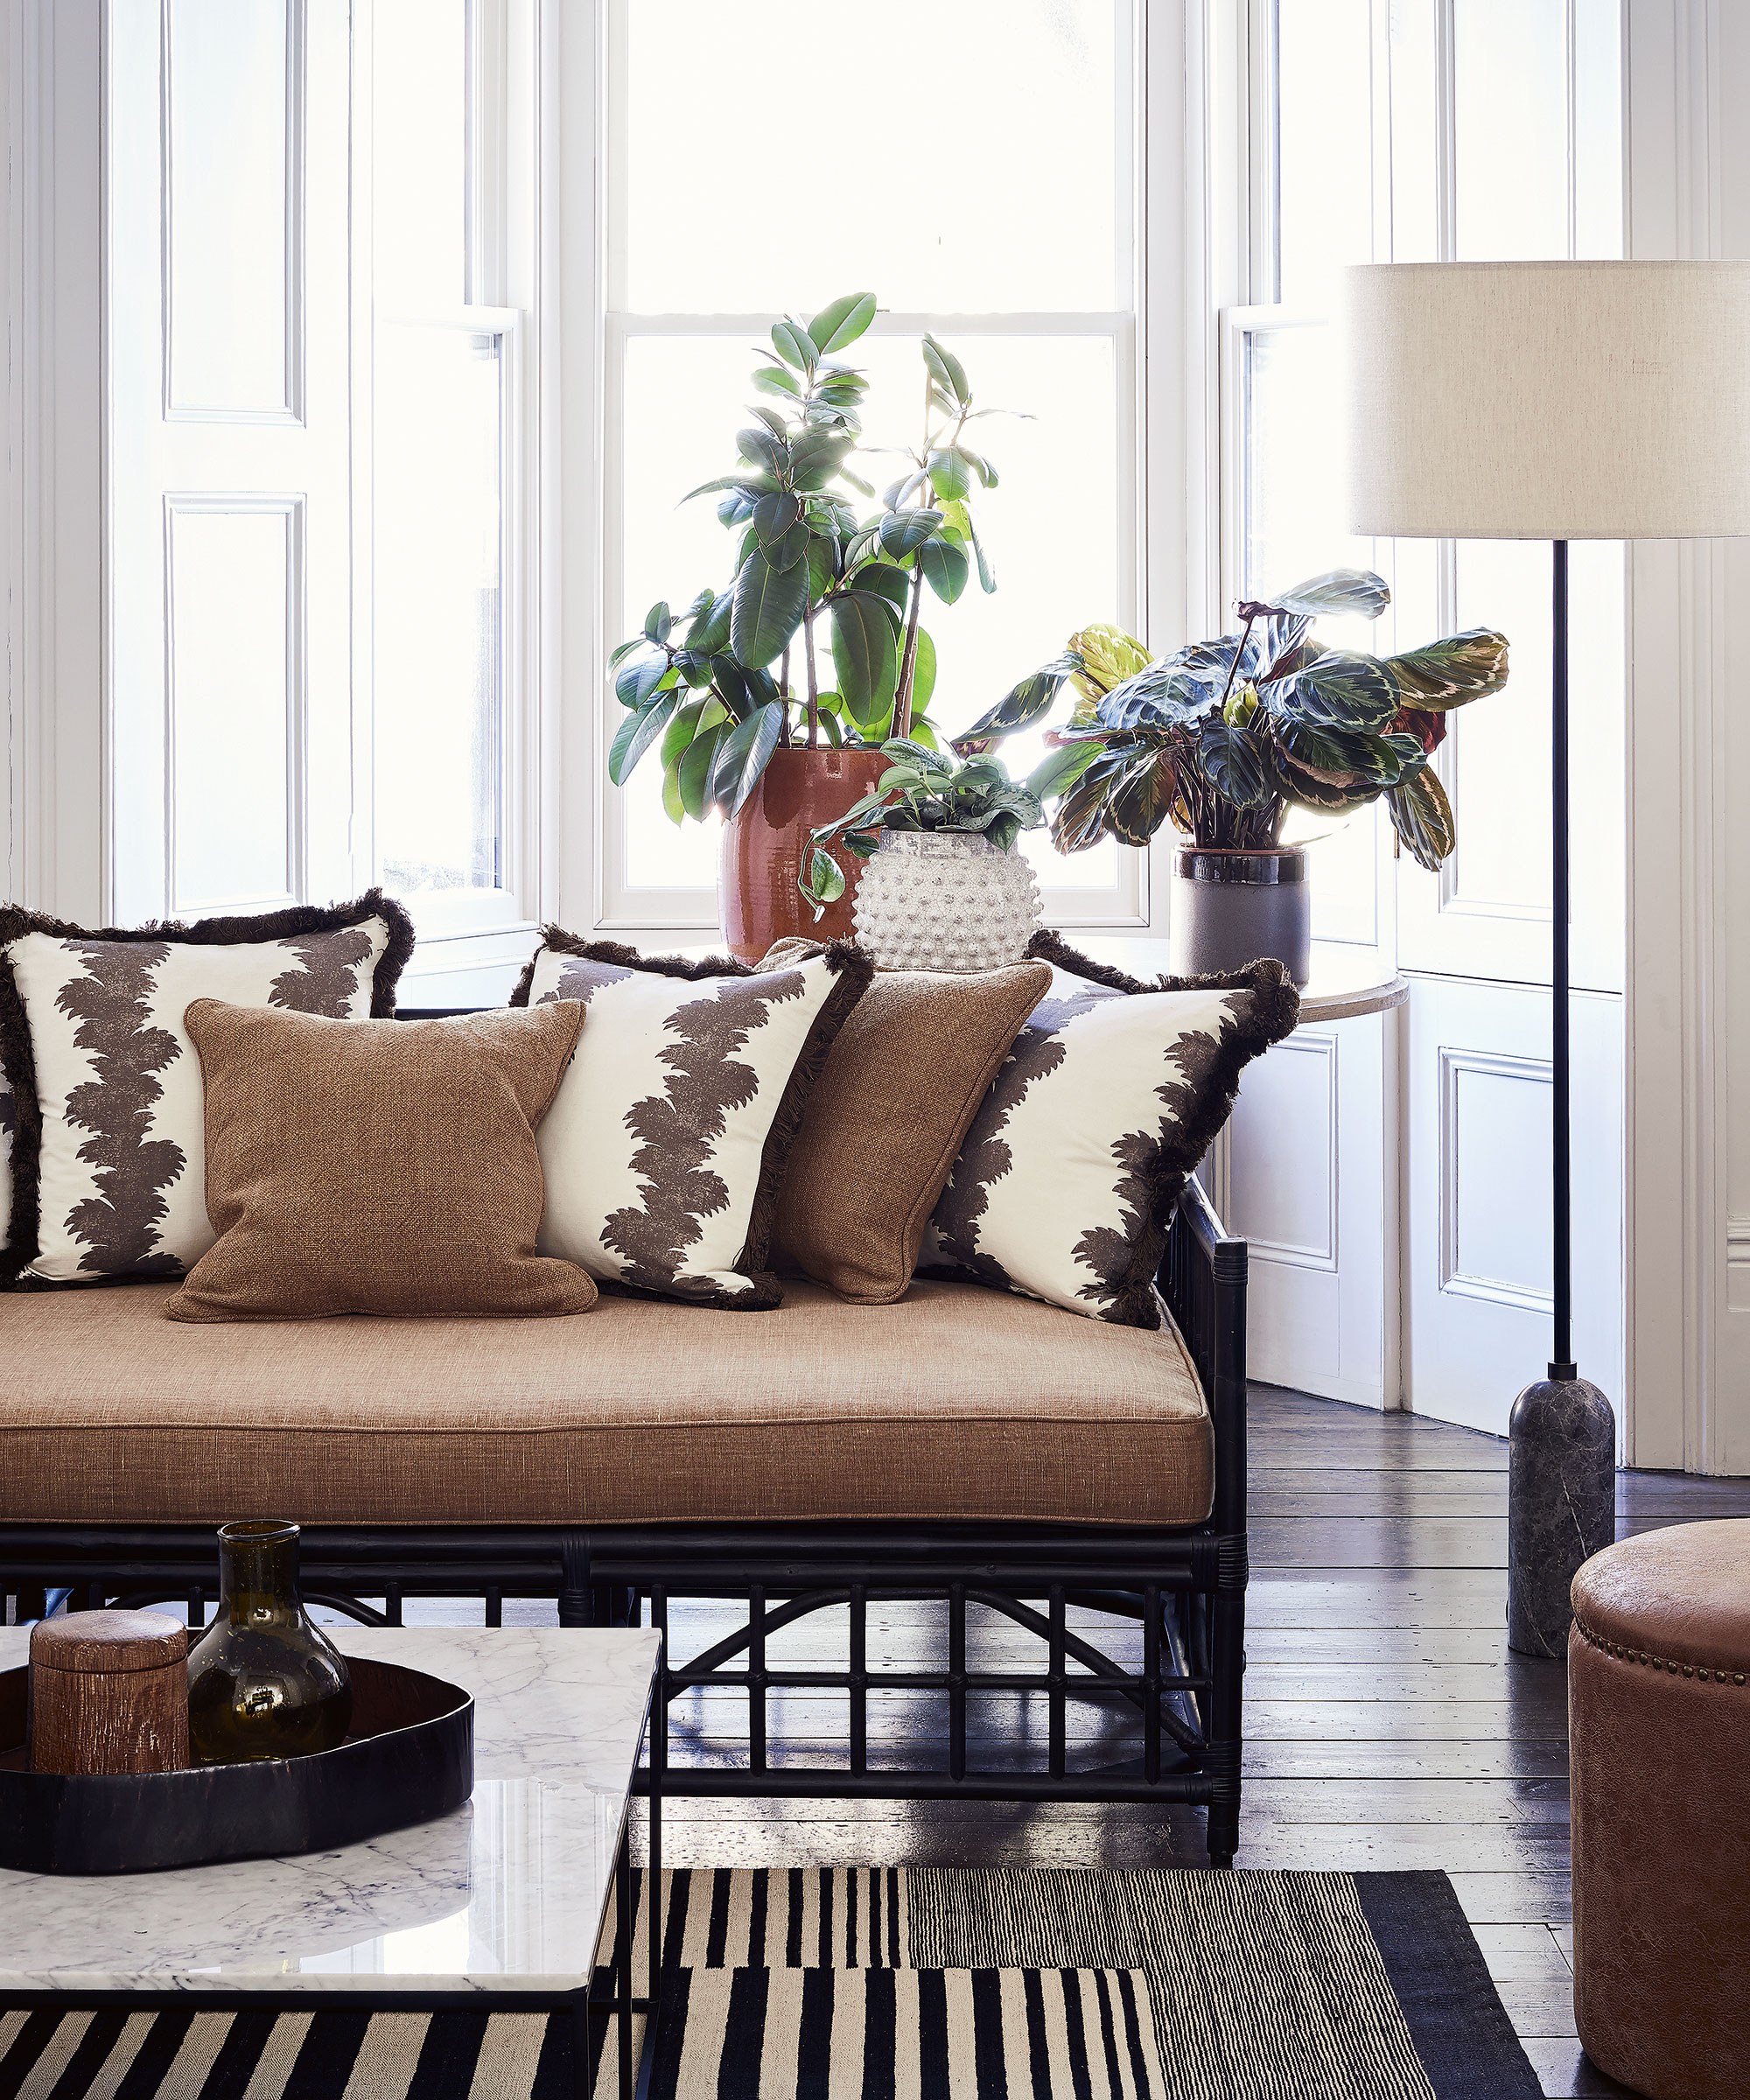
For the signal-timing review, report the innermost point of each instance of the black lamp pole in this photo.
(1561, 1475)
(1562, 1360)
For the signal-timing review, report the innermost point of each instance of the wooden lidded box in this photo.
(109, 1693)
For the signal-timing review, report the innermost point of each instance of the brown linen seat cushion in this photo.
(901, 1084)
(377, 1167)
(958, 1402)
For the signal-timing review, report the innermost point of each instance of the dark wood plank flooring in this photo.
(1388, 1727)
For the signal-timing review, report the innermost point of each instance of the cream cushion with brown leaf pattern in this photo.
(108, 1158)
(664, 1148)
(1111, 1093)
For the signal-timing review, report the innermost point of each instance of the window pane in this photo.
(419, 158)
(954, 159)
(1511, 97)
(1290, 479)
(437, 650)
(1498, 769)
(1324, 144)
(1050, 528)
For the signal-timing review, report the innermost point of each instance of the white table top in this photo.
(1346, 981)
(508, 1892)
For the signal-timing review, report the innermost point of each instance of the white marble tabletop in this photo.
(508, 1892)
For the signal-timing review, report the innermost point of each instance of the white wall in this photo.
(1689, 966)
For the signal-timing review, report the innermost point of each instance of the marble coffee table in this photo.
(499, 1905)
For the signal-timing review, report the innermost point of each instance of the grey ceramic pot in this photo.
(1230, 907)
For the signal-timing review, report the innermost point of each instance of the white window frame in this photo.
(469, 938)
(616, 904)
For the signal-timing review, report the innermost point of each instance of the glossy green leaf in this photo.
(774, 515)
(768, 608)
(886, 582)
(904, 531)
(695, 770)
(945, 568)
(1422, 817)
(987, 575)
(1060, 768)
(980, 466)
(1080, 819)
(1233, 762)
(1164, 695)
(636, 734)
(843, 322)
(947, 370)
(815, 458)
(1338, 690)
(1349, 592)
(709, 633)
(774, 379)
(921, 757)
(822, 880)
(1448, 674)
(864, 656)
(785, 553)
(658, 622)
(671, 796)
(950, 473)
(683, 726)
(793, 346)
(752, 485)
(760, 449)
(923, 674)
(1023, 704)
(637, 681)
(742, 756)
(1142, 801)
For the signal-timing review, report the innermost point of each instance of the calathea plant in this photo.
(715, 684)
(1224, 738)
(923, 790)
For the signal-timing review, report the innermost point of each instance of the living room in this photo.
(875, 1049)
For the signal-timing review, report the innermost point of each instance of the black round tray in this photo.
(410, 1757)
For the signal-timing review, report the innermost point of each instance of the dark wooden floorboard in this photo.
(1387, 1725)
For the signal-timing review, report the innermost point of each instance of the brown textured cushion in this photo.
(957, 1402)
(377, 1167)
(882, 1128)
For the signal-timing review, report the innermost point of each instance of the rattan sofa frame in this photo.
(1185, 1585)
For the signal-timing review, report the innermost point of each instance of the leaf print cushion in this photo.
(664, 1148)
(1110, 1094)
(108, 1153)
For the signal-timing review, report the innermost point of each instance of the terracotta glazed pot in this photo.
(764, 841)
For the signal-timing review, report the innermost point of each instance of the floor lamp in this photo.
(1559, 401)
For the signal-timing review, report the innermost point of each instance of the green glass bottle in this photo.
(264, 1681)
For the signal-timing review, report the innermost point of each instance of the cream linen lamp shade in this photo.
(1547, 400)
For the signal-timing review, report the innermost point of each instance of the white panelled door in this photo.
(231, 737)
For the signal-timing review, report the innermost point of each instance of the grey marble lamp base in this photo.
(1561, 1505)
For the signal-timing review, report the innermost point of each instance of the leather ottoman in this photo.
(1659, 1723)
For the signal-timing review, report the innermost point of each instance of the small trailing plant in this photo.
(713, 688)
(924, 791)
(1224, 738)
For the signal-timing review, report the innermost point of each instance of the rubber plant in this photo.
(925, 790)
(714, 687)
(1222, 738)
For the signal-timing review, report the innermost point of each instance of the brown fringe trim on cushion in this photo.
(854, 971)
(1269, 1014)
(622, 957)
(22, 1241)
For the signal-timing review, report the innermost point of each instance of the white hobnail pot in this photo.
(945, 900)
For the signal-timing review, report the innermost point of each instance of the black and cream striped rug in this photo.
(925, 1982)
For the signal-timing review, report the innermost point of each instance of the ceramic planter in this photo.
(764, 841)
(1230, 907)
(945, 900)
